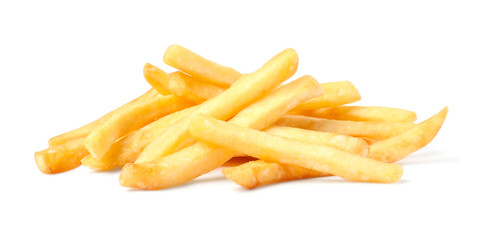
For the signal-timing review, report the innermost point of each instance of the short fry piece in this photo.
(85, 130)
(337, 93)
(278, 149)
(61, 158)
(246, 90)
(373, 130)
(342, 142)
(200, 158)
(199, 67)
(404, 144)
(129, 147)
(258, 173)
(358, 113)
(99, 141)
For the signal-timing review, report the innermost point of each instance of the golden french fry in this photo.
(336, 94)
(99, 141)
(286, 151)
(358, 113)
(342, 142)
(200, 158)
(404, 144)
(61, 158)
(186, 86)
(85, 130)
(373, 130)
(129, 147)
(199, 67)
(244, 91)
(156, 78)
(258, 173)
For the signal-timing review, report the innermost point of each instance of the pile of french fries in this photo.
(207, 115)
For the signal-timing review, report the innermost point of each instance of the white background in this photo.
(65, 64)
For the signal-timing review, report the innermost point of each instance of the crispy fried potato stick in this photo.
(129, 147)
(336, 94)
(358, 113)
(182, 84)
(61, 158)
(404, 144)
(258, 173)
(200, 157)
(156, 78)
(85, 130)
(244, 91)
(199, 67)
(373, 130)
(286, 151)
(99, 141)
(342, 142)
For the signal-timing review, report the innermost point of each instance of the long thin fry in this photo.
(337, 93)
(342, 142)
(244, 91)
(199, 67)
(99, 141)
(404, 144)
(282, 150)
(258, 173)
(61, 158)
(358, 113)
(200, 157)
(373, 130)
(85, 130)
(129, 147)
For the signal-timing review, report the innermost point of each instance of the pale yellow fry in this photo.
(342, 142)
(336, 94)
(201, 158)
(61, 158)
(186, 86)
(156, 78)
(99, 141)
(373, 130)
(85, 130)
(129, 147)
(258, 173)
(244, 91)
(404, 144)
(286, 151)
(199, 67)
(358, 113)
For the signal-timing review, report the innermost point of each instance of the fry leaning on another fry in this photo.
(404, 144)
(286, 151)
(372, 130)
(358, 113)
(200, 158)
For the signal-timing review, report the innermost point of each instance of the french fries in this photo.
(85, 130)
(199, 67)
(337, 93)
(128, 148)
(99, 141)
(358, 113)
(372, 130)
(200, 158)
(62, 157)
(282, 150)
(258, 173)
(247, 89)
(274, 132)
(404, 144)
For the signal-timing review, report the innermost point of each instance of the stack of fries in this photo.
(197, 119)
